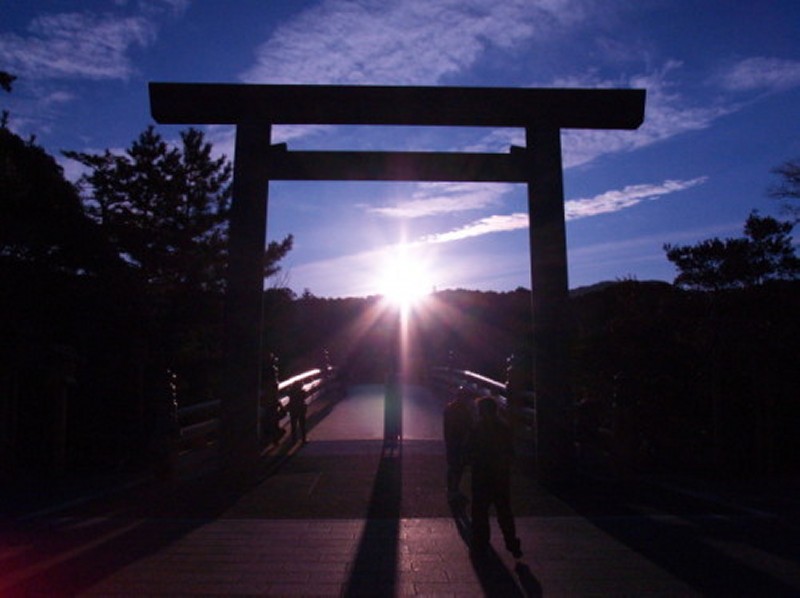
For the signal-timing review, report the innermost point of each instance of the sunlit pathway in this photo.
(334, 474)
(360, 417)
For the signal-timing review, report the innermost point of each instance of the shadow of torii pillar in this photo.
(542, 113)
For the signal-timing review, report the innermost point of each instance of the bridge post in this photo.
(243, 301)
(549, 298)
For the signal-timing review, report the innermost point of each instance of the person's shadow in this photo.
(494, 576)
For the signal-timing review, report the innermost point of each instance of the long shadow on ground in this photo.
(375, 566)
(493, 575)
(643, 516)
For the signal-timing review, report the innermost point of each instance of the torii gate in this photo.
(541, 112)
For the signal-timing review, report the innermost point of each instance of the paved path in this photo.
(346, 515)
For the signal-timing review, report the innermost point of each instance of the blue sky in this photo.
(723, 109)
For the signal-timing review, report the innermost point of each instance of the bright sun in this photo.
(404, 279)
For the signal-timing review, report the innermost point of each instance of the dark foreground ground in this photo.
(348, 515)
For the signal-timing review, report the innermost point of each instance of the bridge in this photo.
(352, 514)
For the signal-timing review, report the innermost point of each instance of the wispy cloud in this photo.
(355, 274)
(57, 97)
(605, 203)
(622, 253)
(418, 42)
(668, 113)
(491, 224)
(158, 7)
(631, 195)
(760, 73)
(76, 45)
(434, 199)
(405, 42)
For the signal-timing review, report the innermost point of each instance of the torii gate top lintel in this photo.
(224, 103)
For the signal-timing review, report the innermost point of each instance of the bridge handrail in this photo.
(472, 380)
(454, 378)
(199, 423)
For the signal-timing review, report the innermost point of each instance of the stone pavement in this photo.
(348, 515)
(332, 557)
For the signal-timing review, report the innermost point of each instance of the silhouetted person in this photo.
(271, 411)
(491, 449)
(393, 409)
(297, 411)
(165, 428)
(457, 421)
(518, 381)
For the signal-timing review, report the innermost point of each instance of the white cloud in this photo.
(418, 42)
(173, 7)
(404, 42)
(223, 137)
(605, 203)
(432, 199)
(620, 199)
(57, 97)
(355, 274)
(667, 114)
(623, 252)
(498, 140)
(491, 224)
(760, 73)
(76, 45)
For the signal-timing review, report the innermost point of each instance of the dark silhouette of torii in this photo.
(253, 109)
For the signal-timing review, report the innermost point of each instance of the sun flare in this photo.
(404, 279)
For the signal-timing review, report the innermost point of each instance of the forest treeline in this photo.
(669, 379)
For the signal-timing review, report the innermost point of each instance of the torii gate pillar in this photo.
(239, 438)
(549, 305)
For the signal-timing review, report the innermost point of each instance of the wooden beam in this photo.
(396, 166)
(215, 103)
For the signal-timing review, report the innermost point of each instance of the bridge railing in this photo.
(451, 379)
(199, 423)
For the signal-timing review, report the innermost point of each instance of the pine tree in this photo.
(765, 253)
(165, 210)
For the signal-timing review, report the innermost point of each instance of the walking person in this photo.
(297, 411)
(491, 449)
(457, 421)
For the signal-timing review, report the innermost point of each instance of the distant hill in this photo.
(606, 284)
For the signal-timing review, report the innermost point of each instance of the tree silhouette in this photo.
(42, 221)
(69, 316)
(765, 253)
(165, 210)
(6, 79)
(789, 187)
